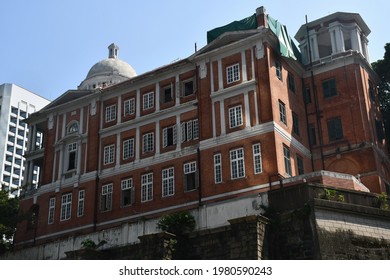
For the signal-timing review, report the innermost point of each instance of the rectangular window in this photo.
(148, 101)
(217, 169)
(237, 163)
(295, 123)
(287, 160)
(300, 168)
(166, 94)
(81, 203)
(66, 206)
(307, 96)
(189, 130)
(282, 112)
(312, 135)
(110, 113)
(257, 164)
(168, 182)
(148, 142)
(169, 136)
(278, 70)
(52, 206)
(291, 82)
(72, 156)
(335, 129)
(128, 148)
(146, 187)
(235, 117)
(190, 176)
(129, 107)
(109, 154)
(329, 88)
(188, 87)
(233, 73)
(127, 197)
(106, 198)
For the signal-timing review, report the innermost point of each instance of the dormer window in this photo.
(73, 127)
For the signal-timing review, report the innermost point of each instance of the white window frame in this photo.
(168, 182)
(217, 168)
(128, 148)
(235, 116)
(109, 154)
(52, 207)
(106, 198)
(66, 207)
(148, 142)
(147, 187)
(237, 163)
(129, 107)
(72, 148)
(183, 87)
(81, 203)
(282, 112)
(257, 161)
(111, 113)
(166, 133)
(190, 168)
(127, 187)
(148, 101)
(233, 73)
(189, 130)
(287, 160)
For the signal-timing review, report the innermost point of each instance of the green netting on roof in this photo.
(287, 46)
(244, 24)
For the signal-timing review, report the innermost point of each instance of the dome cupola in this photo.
(108, 71)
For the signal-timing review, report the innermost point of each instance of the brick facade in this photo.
(229, 121)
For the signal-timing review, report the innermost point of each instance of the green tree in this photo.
(9, 208)
(382, 68)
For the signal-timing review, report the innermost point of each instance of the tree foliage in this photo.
(9, 208)
(382, 68)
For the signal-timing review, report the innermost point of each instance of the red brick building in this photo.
(230, 121)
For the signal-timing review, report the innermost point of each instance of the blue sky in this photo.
(49, 46)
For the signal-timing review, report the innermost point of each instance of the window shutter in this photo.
(189, 130)
(174, 134)
(165, 137)
(183, 131)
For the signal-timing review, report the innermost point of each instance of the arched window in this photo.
(73, 127)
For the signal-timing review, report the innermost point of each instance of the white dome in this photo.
(107, 72)
(111, 66)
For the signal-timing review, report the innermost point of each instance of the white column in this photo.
(177, 90)
(243, 63)
(118, 150)
(247, 110)
(220, 76)
(222, 116)
(119, 105)
(336, 37)
(211, 77)
(137, 144)
(256, 108)
(157, 137)
(157, 98)
(138, 103)
(213, 119)
(314, 45)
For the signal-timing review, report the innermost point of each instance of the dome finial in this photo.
(113, 51)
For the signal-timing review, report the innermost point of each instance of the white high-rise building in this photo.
(16, 104)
